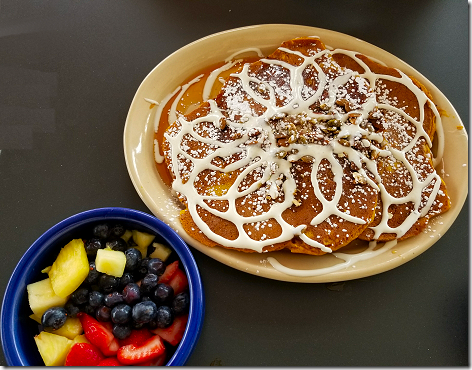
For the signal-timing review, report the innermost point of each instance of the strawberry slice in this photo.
(149, 350)
(137, 337)
(174, 333)
(110, 361)
(99, 335)
(108, 325)
(169, 272)
(179, 281)
(83, 354)
(158, 361)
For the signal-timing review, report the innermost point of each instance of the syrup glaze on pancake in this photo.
(307, 149)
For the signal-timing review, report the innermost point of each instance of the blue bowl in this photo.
(18, 330)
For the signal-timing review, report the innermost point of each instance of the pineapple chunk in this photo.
(53, 348)
(46, 270)
(70, 268)
(127, 235)
(80, 339)
(143, 240)
(41, 296)
(110, 262)
(35, 318)
(162, 251)
(71, 328)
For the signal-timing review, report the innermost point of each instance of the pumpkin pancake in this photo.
(304, 150)
(406, 120)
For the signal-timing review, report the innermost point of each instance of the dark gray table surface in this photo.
(68, 73)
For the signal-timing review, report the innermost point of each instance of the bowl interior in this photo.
(18, 330)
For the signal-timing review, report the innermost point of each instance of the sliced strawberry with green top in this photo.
(110, 361)
(99, 335)
(179, 281)
(137, 337)
(174, 333)
(169, 272)
(149, 350)
(83, 354)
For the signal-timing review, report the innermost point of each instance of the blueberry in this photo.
(113, 299)
(71, 309)
(133, 259)
(121, 331)
(131, 293)
(142, 269)
(165, 317)
(151, 325)
(125, 279)
(148, 284)
(95, 298)
(54, 317)
(117, 230)
(108, 283)
(121, 314)
(163, 294)
(181, 303)
(80, 296)
(103, 313)
(93, 275)
(156, 266)
(89, 310)
(138, 325)
(117, 244)
(101, 231)
(144, 312)
(92, 246)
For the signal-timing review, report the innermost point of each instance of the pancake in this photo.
(404, 113)
(306, 150)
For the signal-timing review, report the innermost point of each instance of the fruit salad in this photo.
(117, 297)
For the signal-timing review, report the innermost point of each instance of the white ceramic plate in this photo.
(185, 62)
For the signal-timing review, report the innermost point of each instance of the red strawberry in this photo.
(99, 335)
(174, 333)
(179, 281)
(108, 325)
(137, 337)
(169, 272)
(158, 361)
(83, 354)
(110, 361)
(149, 350)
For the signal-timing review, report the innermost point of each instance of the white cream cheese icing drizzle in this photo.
(349, 260)
(297, 100)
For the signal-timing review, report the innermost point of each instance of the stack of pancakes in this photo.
(307, 150)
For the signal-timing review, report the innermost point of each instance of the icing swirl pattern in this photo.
(306, 149)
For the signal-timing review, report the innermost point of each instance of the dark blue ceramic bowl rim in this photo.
(17, 356)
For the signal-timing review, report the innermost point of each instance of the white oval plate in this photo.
(185, 62)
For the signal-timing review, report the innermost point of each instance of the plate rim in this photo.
(226, 256)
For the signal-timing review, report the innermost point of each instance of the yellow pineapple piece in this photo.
(53, 348)
(35, 318)
(143, 240)
(162, 251)
(127, 235)
(71, 328)
(110, 262)
(70, 268)
(41, 296)
(46, 270)
(80, 339)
